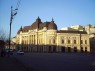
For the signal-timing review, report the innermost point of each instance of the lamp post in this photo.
(13, 13)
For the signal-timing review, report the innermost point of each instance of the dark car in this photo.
(9, 51)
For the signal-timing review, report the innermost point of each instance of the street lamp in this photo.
(13, 14)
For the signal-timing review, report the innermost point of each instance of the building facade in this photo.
(45, 37)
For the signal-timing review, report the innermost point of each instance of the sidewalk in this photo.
(11, 64)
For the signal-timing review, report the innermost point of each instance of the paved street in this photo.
(11, 64)
(58, 61)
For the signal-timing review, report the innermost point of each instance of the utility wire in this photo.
(18, 3)
(16, 9)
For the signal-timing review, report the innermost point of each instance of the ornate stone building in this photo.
(44, 37)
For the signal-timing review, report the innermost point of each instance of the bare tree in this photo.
(3, 35)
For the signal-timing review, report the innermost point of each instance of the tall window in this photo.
(62, 41)
(68, 41)
(85, 41)
(53, 40)
(74, 41)
(81, 41)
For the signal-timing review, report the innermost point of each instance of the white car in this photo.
(19, 52)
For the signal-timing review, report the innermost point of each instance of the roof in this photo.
(26, 28)
(52, 25)
(69, 31)
(39, 25)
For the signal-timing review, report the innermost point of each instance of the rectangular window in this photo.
(53, 40)
(62, 41)
(81, 41)
(74, 41)
(68, 41)
(85, 41)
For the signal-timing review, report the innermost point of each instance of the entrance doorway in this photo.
(75, 49)
(62, 49)
(85, 49)
(82, 49)
(50, 49)
(54, 48)
(69, 49)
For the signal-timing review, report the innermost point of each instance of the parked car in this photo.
(19, 52)
(9, 51)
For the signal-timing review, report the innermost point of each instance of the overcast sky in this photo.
(64, 12)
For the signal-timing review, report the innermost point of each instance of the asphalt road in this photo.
(58, 61)
(11, 64)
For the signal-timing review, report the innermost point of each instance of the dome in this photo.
(36, 24)
(52, 25)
